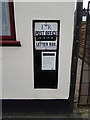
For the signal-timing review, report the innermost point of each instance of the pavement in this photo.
(79, 113)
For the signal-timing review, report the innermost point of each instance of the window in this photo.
(7, 25)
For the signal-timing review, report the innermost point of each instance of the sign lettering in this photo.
(45, 35)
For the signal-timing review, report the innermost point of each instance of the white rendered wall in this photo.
(17, 65)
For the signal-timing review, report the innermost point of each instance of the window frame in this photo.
(10, 40)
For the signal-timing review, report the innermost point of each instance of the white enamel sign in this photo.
(45, 35)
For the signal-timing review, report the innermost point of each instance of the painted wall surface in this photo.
(17, 65)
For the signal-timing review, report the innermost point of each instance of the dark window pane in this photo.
(5, 19)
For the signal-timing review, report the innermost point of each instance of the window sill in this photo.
(10, 43)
